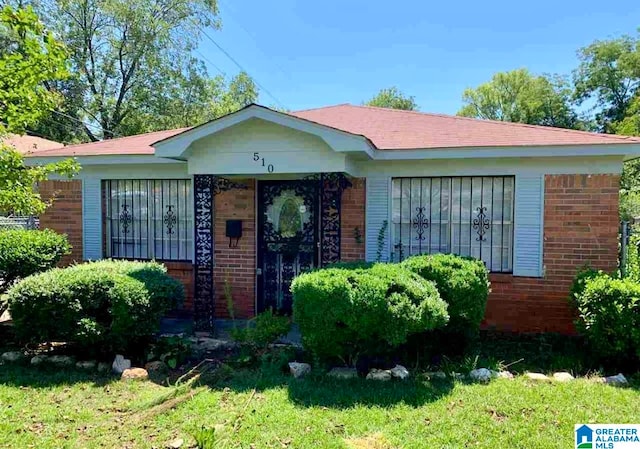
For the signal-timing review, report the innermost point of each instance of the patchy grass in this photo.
(47, 409)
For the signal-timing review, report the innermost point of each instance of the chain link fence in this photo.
(19, 222)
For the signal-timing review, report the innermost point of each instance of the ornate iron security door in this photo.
(287, 238)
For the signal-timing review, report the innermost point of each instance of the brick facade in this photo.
(65, 213)
(238, 265)
(580, 228)
(352, 218)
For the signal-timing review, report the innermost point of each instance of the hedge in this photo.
(345, 313)
(463, 283)
(609, 316)
(26, 252)
(106, 305)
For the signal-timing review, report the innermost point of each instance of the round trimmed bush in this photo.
(105, 306)
(344, 313)
(463, 284)
(26, 252)
(609, 317)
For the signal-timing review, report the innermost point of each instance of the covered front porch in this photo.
(273, 196)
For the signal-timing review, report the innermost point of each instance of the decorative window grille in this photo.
(468, 216)
(149, 219)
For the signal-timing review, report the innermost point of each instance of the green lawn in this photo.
(69, 409)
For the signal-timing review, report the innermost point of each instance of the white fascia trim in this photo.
(116, 159)
(340, 141)
(630, 151)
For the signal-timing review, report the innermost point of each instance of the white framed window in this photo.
(149, 219)
(468, 215)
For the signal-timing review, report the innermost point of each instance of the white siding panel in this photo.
(529, 209)
(377, 211)
(91, 219)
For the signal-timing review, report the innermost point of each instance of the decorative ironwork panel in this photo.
(331, 187)
(206, 187)
(471, 216)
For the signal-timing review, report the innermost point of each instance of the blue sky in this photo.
(310, 53)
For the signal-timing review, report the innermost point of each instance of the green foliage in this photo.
(463, 283)
(355, 265)
(519, 96)
(632, 268)
(173, 350)
(609, 73)
(393, 98)
(263, 330)
(23, 253)
(206, 438)
(30, 56)
(134, 67)
(17, 181)
(579, 284)
(609, 317)
(344, 313)
(101, 306)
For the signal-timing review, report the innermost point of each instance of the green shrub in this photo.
(609, 316)
(105, 305)
(463, 283)
(263, 330)
(354, 265)
(26, 252)
(344, 313)
(583, 276)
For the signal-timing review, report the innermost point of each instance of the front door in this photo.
(287, 239)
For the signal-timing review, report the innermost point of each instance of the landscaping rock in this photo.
(156, 366)
(14, 357)
(617, 380)
(39, 359)
(299, 369)
(399, 372)
(135, 374)
(175, 444)
(86, 365)
(120, 364)
(379, 374)
(537, 377)
(563, 377)
(481, 375)
(206, 344)
(440, 375)
(504, 375)
(458, 376)
(104, 367)
(62, 361)
(343, 373)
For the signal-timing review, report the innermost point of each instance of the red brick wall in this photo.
(183, 272)
(580, 228)
(65, 214)
(352, 217)
(236, 264)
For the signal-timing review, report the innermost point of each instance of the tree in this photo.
(29, 56)
(129, 51)
(521, 97)
(394, 99)
(609, 73)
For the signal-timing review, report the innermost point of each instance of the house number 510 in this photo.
(257, 158)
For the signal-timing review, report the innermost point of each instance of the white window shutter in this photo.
(91, 219)
(528, 233)
(377, 211)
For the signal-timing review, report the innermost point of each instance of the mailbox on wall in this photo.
(234, 232)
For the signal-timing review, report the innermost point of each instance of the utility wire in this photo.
(232, 59)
